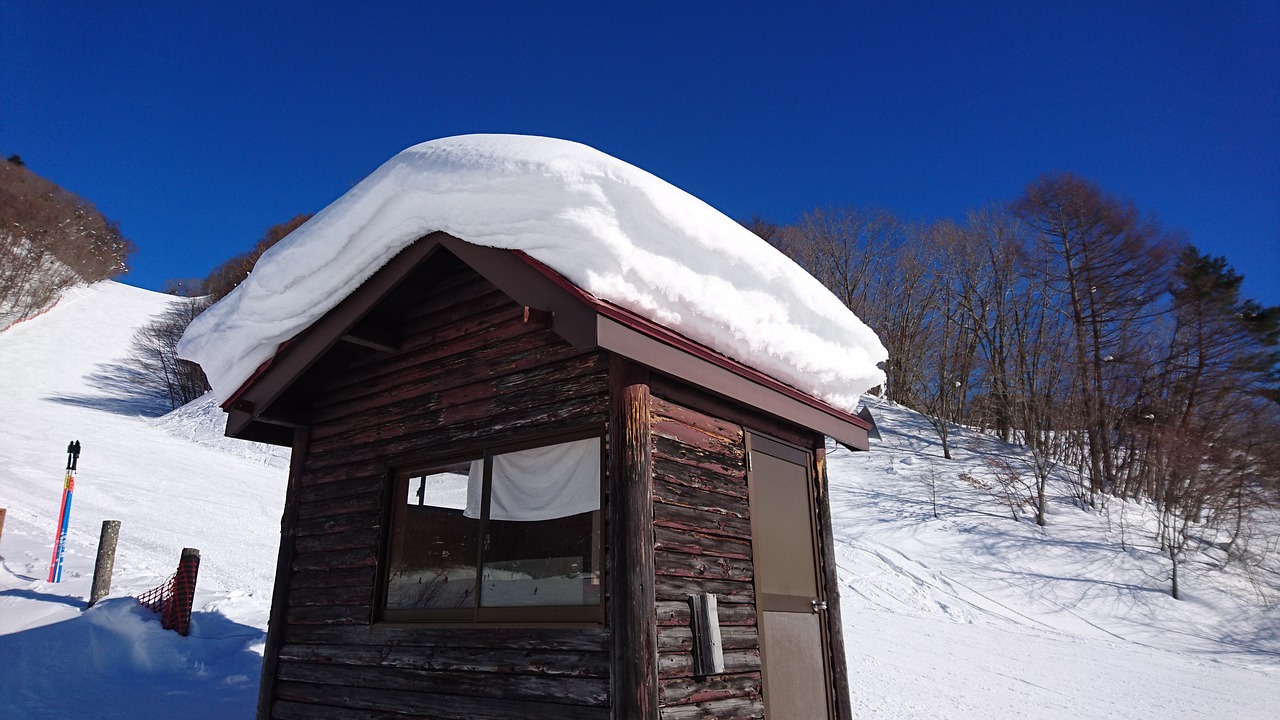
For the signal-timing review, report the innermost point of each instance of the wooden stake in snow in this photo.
(177, 612)
(106, 563)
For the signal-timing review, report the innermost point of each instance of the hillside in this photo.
(968, 615)
(171, 482)
(972, 614)
(50, 240)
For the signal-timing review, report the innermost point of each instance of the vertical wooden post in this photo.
(831, 588)
(632, 607)
(106, 562)
(176, 614)
(284, 563)
(2, 511)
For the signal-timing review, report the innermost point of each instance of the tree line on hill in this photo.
(50, 240)
(155, 346)
(1069, 324)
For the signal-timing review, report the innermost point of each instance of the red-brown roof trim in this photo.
(680, 342)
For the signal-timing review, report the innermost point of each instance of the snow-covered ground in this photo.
(974, 615)
(969, 615)
(173, 482)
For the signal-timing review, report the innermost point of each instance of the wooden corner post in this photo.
(831, 586)
(284, 563)
(632, 610)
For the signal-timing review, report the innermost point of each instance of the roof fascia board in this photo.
(305, 349)
(683, 344)
(517, 275)
(619, 338)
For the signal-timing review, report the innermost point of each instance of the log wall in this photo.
(702, 543)
(469, 371)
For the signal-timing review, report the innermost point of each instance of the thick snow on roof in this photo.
(615, 231)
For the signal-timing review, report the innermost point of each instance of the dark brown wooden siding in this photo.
(702, 541)
(469, 371)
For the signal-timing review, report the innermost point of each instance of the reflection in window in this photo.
(432, 563)
(511, 530)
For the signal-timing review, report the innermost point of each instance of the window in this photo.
(505, 535)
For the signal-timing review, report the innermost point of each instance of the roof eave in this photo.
(579, 317)
(633, 336)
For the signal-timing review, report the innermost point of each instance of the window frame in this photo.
(478, 615)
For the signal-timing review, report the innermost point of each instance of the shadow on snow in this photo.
(123, 390)
(116, 659)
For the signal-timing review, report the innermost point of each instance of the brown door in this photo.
(790, 610)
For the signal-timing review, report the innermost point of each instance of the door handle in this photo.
(818, 605)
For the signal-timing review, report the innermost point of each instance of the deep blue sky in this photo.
(198, 125)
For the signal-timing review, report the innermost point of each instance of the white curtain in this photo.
(541, 483)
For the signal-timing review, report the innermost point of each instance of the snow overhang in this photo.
(622, 235)
(256, 411)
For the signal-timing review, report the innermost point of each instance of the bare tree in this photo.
(987, 271)
(946, 336)
(868, 259)
(904, 299)
(1210, 401)
(847, 249)
(155, 345)
(1058, 323)
(1039, 384)
(766, 230)
(154, 353)
(931, 479)
(1110, 270)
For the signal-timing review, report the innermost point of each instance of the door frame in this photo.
(757, 442)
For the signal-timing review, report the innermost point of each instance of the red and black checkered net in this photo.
(172, 599)
(158, 597)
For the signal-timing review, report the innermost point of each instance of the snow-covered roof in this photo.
(617, 232)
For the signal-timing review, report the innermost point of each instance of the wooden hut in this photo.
(401, 588)
(509, 498)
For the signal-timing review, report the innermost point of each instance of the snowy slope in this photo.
(974, 615)
(971, 615)
(62, 378)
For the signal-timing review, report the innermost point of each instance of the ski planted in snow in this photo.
(64, 515)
